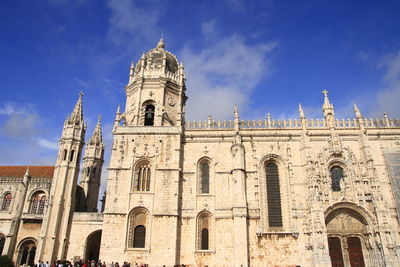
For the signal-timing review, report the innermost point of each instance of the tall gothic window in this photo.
(336, 177)
(273, 195)
(6, 202)
(203, 234)
(149, 115)
(38, 203)
(142, 178)
(137, 228)
(205, 177)
(139, 236)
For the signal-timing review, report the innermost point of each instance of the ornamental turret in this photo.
(327, 109)
(92, 167)
(155, 94)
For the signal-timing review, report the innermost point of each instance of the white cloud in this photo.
(47, 144)
(223, 74)
(20, 126)
(388, 98)
(15, 108)
(132, 21)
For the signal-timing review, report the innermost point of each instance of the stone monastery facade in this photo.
(299, 192)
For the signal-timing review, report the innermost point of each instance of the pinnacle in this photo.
(77, 114)
(97, 136)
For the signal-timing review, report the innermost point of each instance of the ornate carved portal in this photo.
(346, 230)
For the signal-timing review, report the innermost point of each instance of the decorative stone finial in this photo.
(161, 44)
(235, 111)
(27, 171)
(301, 112)
(118, 109)
(357, 111)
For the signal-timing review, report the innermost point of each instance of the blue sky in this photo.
(266, 56)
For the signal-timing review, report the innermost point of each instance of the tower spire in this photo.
(327, 109)
(97, 137)
(77, 114)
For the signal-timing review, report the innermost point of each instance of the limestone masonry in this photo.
(299, 192)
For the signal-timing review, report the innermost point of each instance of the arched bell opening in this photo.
(347, 231)
(149, 115)
(92, 248)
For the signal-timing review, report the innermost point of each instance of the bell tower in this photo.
(155, 94)
(144, 177)
(57, 222)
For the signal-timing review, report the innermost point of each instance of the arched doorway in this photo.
(346, 229)
(26, 252)
(2, 241)
(93, 246)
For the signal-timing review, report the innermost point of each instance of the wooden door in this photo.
(355, 252)
(335, 251)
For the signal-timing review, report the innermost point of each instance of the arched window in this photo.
(27, 253)
(71, 158)
(38, 202)
(142, 178)
(6, 202)
(203, 235)
(42, 203)
(2, 241)
(336, 177)
(149, 115)
(139, 236)
(137, 228)
(65, 154)
(204, 239)
(205, 177)
(273, 195)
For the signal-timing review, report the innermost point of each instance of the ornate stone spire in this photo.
(301, 112)
(77, 114)
(97, 137)
(327, 109)
(357, 111)
(161, 44)
(236, 120)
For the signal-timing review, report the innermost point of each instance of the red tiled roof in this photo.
(19, 171)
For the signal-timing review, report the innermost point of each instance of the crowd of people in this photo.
(82, 263)
(91, 263)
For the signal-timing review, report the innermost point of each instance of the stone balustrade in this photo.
(291, 124)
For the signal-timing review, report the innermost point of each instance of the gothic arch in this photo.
(92, 245)
(142, 179)
(204, 230)
(370, 220)
(283, 183)
(26, 251)
(138, 228)
(43, 196)
(348, 234)
(6, 201)
(205, 175)
(143, 110)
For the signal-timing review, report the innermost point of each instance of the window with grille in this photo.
(139, 236)
(336, 177)
(6, 202)
(205, 178)
(204, 239)
(38, 203)
(137, 228)
(203, 234)
(273, 195)
(143, 175)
